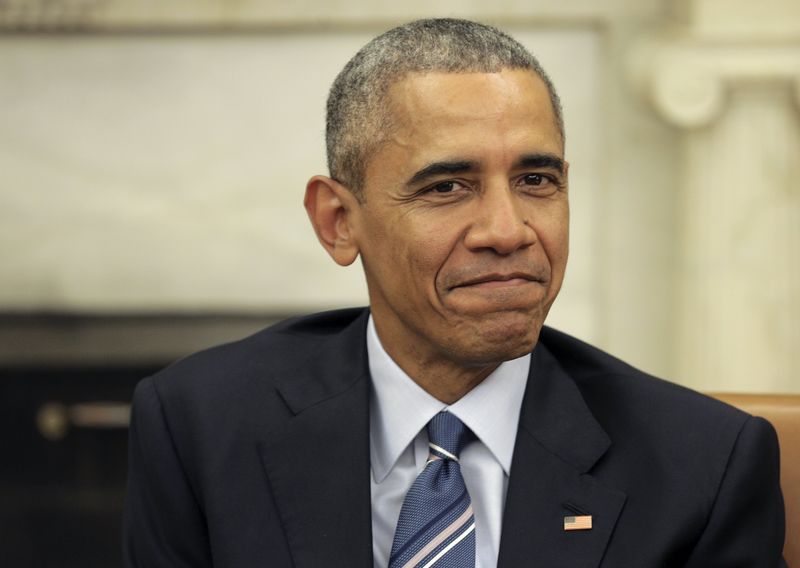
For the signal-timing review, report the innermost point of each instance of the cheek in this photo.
(557, 252)
(556, 244)
(410, 255)
(553, 233)
(427, 255)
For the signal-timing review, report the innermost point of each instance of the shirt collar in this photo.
(400, 408)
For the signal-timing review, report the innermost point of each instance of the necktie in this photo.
(436, 525)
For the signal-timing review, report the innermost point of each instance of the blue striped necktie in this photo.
(436, 525)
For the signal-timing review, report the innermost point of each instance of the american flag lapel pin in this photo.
(578, 523)
(579, 520)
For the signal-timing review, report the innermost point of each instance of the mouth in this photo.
(499, 280)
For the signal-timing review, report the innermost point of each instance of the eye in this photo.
(534, 179)
(538, 184)
(443, 187)
(446, 187)
(444, 192)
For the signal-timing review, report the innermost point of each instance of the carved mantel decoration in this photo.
(733, 92)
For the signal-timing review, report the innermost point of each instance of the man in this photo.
(307, 444)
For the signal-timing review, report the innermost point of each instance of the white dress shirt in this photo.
(399, 411)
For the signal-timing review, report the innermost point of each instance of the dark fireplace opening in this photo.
(66, 383)
(62, 479)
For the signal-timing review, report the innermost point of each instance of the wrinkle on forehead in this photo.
(491, 119)
(489, 93)
(510, 98)
(422, 99)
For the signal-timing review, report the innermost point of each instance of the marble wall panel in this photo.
(166, 172)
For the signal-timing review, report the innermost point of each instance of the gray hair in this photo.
(357, 114)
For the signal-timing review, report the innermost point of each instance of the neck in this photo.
(447, 385)
(440, 376)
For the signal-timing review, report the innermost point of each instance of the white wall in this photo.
(168, 172)
(157, 162)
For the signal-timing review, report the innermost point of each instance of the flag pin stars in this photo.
(578, 523)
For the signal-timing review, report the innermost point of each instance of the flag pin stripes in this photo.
(578, 523)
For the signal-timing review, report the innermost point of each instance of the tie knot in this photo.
(448, 433)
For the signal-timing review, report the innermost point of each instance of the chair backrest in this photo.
(783, 411)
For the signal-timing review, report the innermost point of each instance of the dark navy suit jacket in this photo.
(256, 454)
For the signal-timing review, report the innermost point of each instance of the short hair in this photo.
(357, 114)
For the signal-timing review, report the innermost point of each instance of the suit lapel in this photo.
(558, 441)
(318, 465)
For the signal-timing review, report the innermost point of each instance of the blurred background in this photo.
(153, 157)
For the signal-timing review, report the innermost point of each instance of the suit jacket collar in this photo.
(558, 442)
(555, 414)
(318, 464)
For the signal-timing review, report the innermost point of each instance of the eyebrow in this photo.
(451, 167)
(537, 161)
(446, 167)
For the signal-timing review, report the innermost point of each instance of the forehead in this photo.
(439, 90)
(477, 116)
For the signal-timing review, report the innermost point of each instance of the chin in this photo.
(495, 340)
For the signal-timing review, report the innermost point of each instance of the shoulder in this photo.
(610, 382)
(232, 374)
(641, 412)
(665, 433)
(702, 474)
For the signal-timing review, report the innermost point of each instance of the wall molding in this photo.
(687, 80)
(187, 15)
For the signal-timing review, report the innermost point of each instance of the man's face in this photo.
(463, 233)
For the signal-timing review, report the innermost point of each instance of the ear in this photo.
(332, 207)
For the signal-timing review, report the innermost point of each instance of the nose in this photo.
(500, 223)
